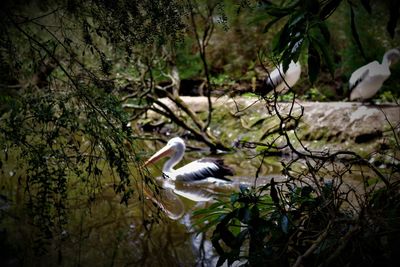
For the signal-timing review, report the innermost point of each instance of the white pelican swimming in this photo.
(198, 170)
(281, 81)
(365, 82)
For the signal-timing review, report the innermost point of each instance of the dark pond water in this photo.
(180, 244)
(107, 233)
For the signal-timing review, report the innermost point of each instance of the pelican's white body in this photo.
(283, 81)
(373, 75)
(188, 169)
(366, 81)
(198, 170)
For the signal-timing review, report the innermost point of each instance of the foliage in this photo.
(171, 89)
(305, 28)
(254, 227)
(57, 140)
(340, 219)
(312, 216)
(291, 225)
(62, 125)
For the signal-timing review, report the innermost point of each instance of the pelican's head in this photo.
(392, 56)
(175, 146)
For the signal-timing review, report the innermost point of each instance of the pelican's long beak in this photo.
(163, 152)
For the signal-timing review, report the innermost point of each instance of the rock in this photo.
(350, 121)
(330, 122)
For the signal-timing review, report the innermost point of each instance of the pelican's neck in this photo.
(390, 56)
(174, 159)
(386, 61)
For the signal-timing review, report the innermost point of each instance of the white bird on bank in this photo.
(198, 170)
(366, 81)
(281, 81)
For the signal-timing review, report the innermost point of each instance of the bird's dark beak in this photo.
(163, 152)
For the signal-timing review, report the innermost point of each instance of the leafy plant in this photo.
(62, 124)
(313, 216)
(259, 225)
(305, 29)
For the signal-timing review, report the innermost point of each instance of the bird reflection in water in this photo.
(200, 180)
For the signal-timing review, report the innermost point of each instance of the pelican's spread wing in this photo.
(281, 81)
(203, 169)
(361, 73)
(274, 79)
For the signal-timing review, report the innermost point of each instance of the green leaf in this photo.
(214, 216)
(314, 62)
(286, 58)
(206, 226)
(328, 8)
(234, 227)
(296, 19)
(284, 39)
(215, 207)
(249, 95)
(289, 45)
(295, 49)
(326, 55)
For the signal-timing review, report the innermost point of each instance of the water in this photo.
(107, 233)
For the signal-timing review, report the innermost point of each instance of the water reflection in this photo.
(200, 191)
(170, 203)
(180, 199)
(106, 233)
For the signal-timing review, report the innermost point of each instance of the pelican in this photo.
(280, 81)
(198, 170)
(365, 82)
